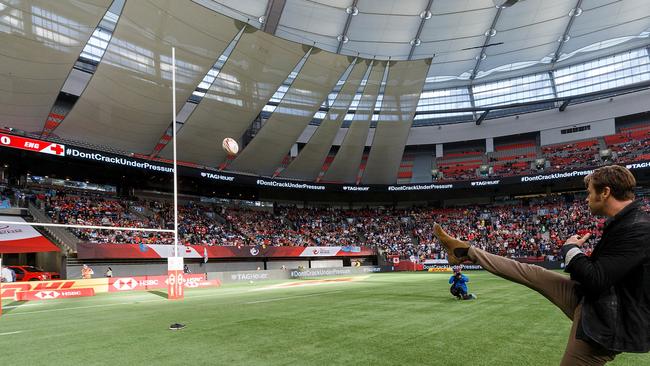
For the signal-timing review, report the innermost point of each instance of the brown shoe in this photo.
(457, 250)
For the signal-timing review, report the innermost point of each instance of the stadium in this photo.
(258, 182)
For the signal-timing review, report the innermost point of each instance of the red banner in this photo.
(138, 283)
(54, 294)
(103, 250)
(144, 283)
(9, 290)
(25, 143)
(175, 281)
(22, 238)
(98, 285)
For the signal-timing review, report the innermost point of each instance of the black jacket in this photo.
(615, 283)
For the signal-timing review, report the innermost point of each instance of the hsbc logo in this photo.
(53, 294)
(9, 289)
(129, 283)
(46, 295)
(125, 284)
(192, 282)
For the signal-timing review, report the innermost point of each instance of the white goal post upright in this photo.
(0, 286)
(175, 280)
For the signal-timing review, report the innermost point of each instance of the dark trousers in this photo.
(558, 289)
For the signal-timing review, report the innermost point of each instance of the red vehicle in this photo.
(31, 273)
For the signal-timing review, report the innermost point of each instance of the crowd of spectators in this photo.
(628, 145)
(534, 228)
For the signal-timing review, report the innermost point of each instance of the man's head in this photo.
(608, 187)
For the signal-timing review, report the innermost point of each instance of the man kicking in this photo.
(608, 294)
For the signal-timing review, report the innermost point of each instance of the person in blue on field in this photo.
(458, 282)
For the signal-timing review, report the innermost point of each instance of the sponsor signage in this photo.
(191, 170)
(107, 250)
(119, 160)
(53, 294)
(9, 290)
(39, 146)
(249, 276)
(218, 176)
(446, 267)
(420, 187)
(553, 176)
(145, 283)
(98, 285)
(138, 283)
(319, 272)
(22, 238)
(175, 280)
(280, 184)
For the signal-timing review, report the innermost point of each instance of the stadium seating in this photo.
(518, 229)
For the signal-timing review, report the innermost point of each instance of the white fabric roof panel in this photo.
(607, 22)
(381, 35)
(314, 82)
(324, 42)
(401, 96)
(300, 15)
(382, 28)
(247, 11)
(345, 166)
(41, 40)
(309, 161)
(255, 69)
(409, 9)
(127, 103)
(529, 32)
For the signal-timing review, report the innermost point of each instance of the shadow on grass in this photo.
(159, 293)
(8, 308)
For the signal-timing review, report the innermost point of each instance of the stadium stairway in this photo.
(602, 145)
(138, 215)
(64, 238)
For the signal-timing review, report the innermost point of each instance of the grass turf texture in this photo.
(384, 319)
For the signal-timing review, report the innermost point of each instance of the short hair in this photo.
(619, 179)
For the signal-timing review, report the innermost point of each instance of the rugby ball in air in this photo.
(230, 146)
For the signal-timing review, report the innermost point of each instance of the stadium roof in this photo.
(467, 38)
(99, 72)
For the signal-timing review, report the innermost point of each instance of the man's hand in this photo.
(577, 239)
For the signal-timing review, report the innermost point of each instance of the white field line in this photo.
(9, 333)
(305, 283)
(105, 305)
(86, 226)
(291, 297)
(133, 302)
(20, 306)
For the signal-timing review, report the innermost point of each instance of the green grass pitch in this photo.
(381, 319)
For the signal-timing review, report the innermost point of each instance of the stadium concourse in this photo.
(291, 158)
